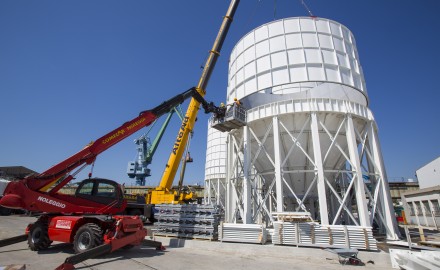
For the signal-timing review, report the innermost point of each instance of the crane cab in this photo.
(102, 191)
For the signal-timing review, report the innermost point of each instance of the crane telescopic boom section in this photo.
(193, 108)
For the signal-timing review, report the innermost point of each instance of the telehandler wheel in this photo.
(38, 237)
(135, 212)
(88, 236)
(128, 247)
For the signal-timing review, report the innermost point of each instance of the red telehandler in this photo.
(90, 219)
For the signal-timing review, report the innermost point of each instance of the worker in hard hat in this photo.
(237, 102)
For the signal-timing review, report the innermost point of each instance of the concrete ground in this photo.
(180, 254)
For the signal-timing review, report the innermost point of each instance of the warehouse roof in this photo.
(15, 172)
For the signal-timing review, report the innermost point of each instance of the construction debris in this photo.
(13, 267)
(414, 260)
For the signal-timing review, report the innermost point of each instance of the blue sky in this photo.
(71, 71)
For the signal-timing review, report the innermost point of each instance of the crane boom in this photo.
(191, 113)
(17, 194)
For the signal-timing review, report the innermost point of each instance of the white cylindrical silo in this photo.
(215, 167)
(310, 140)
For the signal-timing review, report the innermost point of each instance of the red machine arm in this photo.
(89, 153)
(59, 175)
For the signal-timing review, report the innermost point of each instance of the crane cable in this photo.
(307, 8)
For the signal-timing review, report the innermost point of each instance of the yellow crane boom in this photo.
(163, 193)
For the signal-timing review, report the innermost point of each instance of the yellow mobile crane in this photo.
(164, 194)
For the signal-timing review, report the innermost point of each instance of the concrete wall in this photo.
(422, 207)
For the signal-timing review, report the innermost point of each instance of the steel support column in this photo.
(219, 192)
(387, 204)
(277, 161)
(230, 198)
(247, 219)
(357, 173)
(208, 191)
(323, 209)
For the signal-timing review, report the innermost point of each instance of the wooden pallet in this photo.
(429, 244)
(184, 237)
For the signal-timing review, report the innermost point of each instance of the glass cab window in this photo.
(106, 190)
(85, 189)
(98, 190)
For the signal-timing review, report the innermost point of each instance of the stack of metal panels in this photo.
(305, 233)
(187, 221)
(243, 233)
(339, 236)
(361, 238)
(321, 236)
(285, 233)
(313, 234)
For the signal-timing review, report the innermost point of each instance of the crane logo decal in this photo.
(51, 202)
(179, 137)
(63, 224)
(113, 136)
(136, 123)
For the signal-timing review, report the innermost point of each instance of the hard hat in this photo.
(235, 99)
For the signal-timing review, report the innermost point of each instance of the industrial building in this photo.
(15, 172)
(422, 207)
(398, 188)
(429, 174)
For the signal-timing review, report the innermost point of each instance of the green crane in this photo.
(145, 151)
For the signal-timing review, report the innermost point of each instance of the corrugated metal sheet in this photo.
(313, 234)
(243, 233)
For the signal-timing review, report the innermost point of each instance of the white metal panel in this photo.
(325, 41)
(249, 70)
(249, 55)
(307, 25)
(276, 28)
(262, 48)
(322, 26)
(293, 41)
(277, 44)
(248, 41)
(291, 25)
(298, 73)
(261, 34)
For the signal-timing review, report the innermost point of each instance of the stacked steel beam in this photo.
(243, 233)
(314, 234)
(187, 221)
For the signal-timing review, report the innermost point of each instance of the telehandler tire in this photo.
(88, 236)
(38, 237)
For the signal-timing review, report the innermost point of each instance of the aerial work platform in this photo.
(235, 117)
